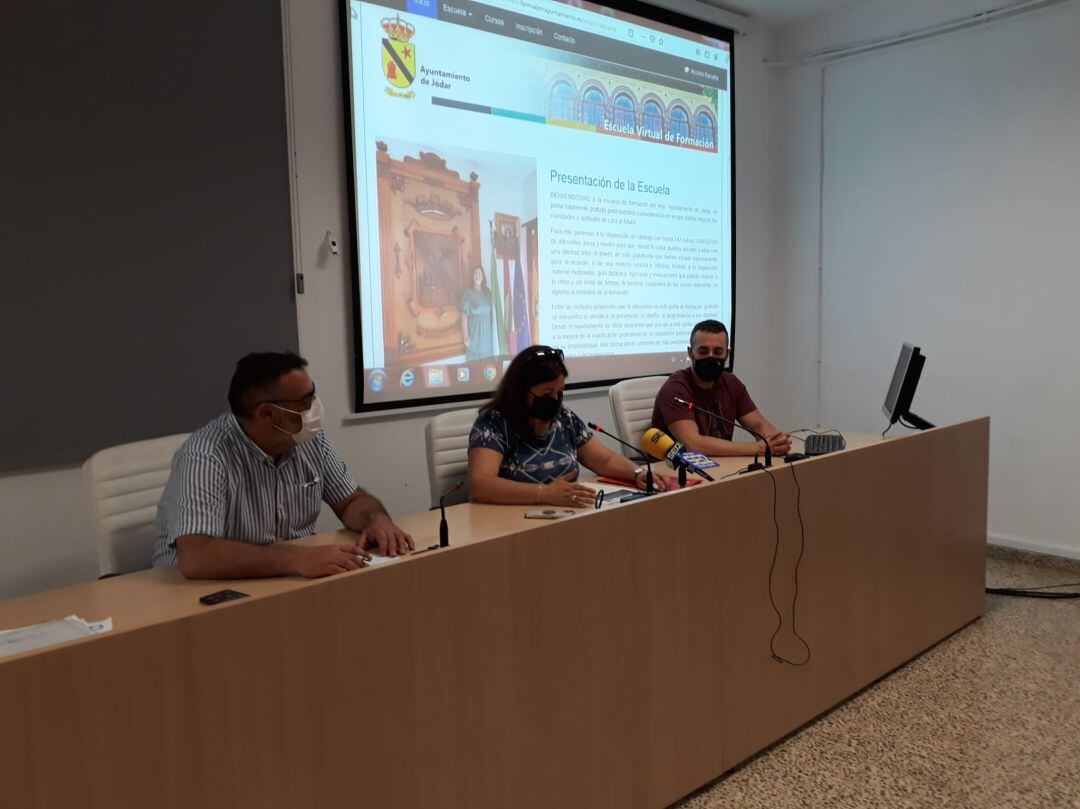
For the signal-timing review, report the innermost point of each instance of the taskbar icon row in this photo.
(434, 377)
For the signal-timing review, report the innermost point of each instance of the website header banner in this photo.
(602, 47)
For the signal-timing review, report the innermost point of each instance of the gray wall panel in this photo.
(145, 237)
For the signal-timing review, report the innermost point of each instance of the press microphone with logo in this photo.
(663, 447)
(758, 436)
(649, 488)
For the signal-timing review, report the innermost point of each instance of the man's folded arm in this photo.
(206, 557)
(365, 514)
(357, 510)
(686, 432)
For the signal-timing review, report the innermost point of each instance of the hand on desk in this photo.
(317, 561)
(659, 484)
(567, 493)
(779, 444)
(382, 533)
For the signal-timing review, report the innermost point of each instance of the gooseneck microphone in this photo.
(663, 447)
(759, 436)
(444, 529)
(649, 488)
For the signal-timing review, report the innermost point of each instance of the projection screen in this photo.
(532, 172)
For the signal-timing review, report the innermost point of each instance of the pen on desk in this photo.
(434, 547)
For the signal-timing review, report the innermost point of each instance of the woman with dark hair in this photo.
(525, 446)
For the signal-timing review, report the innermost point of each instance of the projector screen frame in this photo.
(648, 11)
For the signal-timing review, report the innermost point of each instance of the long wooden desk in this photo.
(620, 657)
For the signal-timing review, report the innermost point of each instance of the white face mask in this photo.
(311, 421)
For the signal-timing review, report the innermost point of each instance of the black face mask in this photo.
(708, 368)
(545, 407)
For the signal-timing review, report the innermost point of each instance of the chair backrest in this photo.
(447, 441)
(123, 485)
(632, 405)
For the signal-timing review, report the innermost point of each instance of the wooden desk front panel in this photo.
(619, 657)
(894, 562)
(567, 664)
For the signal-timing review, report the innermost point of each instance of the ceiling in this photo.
(776, 12)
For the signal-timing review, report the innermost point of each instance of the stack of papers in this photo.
(38, 636)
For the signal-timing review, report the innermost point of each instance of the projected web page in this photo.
(531, 171)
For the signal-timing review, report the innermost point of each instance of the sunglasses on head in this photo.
(546, 353)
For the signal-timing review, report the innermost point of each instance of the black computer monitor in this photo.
(902, 389)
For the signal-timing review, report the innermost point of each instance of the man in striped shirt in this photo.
(258, 475)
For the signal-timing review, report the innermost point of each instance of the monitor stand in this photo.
(916, 422)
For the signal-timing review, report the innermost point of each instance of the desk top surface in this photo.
(161, 594)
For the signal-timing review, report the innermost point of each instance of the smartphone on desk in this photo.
(221, 596)
(548, 513)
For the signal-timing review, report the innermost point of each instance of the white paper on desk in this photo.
(97, 627)
(38, 636)
(376, 560)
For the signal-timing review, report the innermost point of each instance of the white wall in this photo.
(951, 199)
(46, 541)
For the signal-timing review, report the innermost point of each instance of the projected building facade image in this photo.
(636, 109)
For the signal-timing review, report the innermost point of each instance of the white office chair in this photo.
(123, 485)
(632, 405)
(447, 441)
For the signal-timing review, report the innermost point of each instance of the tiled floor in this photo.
(988, 718)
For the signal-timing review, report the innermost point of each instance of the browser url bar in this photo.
(584, 21)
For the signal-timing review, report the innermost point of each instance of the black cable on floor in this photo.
(1050, 586)
(1017, 592)
(1035, 592)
